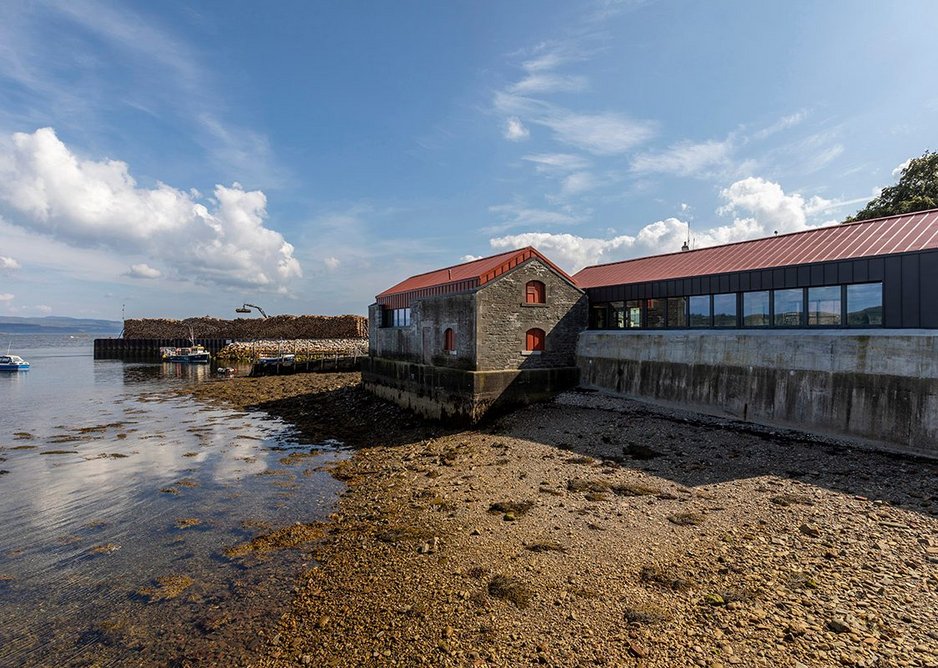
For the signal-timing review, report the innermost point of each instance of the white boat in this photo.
(190, 355)
(13, 363)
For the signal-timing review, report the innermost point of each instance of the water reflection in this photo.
(106, 463)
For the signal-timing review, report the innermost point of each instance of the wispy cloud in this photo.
(515, 130)
(556, 162)
(518, 214)
(784, 123)
(547, 82)
(685, 158)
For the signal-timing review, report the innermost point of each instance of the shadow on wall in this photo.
(694, 450)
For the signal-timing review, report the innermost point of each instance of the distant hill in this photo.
(58, 325)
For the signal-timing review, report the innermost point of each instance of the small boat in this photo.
(13, 363)
(187, 355)
(277, 360)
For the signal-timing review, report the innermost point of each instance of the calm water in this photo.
(112, 480)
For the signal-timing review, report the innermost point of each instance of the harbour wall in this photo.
(877, 387)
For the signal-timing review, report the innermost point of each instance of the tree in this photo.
(917, 190)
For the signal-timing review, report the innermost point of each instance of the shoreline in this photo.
(601, 531)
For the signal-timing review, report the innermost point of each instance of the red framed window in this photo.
(449, 340)
(534, 293)
(534, 339)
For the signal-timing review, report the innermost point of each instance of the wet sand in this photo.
(598, 531)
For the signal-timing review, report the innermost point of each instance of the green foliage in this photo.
(917, 190)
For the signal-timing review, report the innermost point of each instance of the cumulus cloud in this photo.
(6, 297)
(85, 203)
(515, 130)
(766, 205)
(144, 271)
(332, 263)
(8, 264)
(759, 208)
(896, 173)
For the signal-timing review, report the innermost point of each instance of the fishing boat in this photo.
(13, 363)
(186, 355)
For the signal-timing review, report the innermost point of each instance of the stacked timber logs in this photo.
(249, 329)
(302, 348)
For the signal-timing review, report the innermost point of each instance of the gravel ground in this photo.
(596, 531)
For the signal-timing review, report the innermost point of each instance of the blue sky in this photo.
(304, 156)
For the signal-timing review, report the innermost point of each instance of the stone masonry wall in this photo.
(504, 319)
(422, 340)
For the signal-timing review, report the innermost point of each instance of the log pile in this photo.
(302, 348)
(251, 329)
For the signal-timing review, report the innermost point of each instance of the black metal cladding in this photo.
(910, 284)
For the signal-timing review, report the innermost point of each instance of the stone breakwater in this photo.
(250, 329)
(302, 348)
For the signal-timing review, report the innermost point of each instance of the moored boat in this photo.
(187, 355)
(13, 363)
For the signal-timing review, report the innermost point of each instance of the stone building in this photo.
(455, 342)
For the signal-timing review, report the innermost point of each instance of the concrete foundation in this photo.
(458, 396)
(874, 386)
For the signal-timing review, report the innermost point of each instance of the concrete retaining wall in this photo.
(876, 386)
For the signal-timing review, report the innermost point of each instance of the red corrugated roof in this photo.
(881, 236)
(459, 277)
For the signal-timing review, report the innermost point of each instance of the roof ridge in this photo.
(749, 241)
(461, 264)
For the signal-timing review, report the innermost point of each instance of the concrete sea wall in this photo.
(874, 386)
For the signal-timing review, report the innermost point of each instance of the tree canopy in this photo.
(917, 190)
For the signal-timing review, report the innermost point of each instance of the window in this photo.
(677, 312)
(824, 306)
(756, 309)
(700, 311)
(534, 340)
(617, 311)
(633, 313)
(654, 312)
(399, 317)
(789, 307)
(724, 310)
(598, 316)
(534, 293)
(865, 305)
(449, 340)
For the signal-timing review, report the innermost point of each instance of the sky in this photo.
(178, 159)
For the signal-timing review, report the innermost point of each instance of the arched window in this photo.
(449, 340)
(534, 293)
(534, 339)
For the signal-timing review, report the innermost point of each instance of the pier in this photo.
(148, 350)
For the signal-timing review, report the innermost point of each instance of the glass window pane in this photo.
(789, 306)
(617, 311)
(677, 311)
(654, 312)
(633, 311)
(824, 306)
(865, 305)
(724, 310)
(598, 316)
(700, 311)
(756, 309)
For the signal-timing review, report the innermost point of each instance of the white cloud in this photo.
(515, 130)
(517, 214)
(43, 309)
(470, 258)
(759, 208)
(556, 162)
(332, 263)
(781, 124)
(144, 271)
(607, 133)
(684, 158)
(6, 297)
(896, 173)
(578, 182)
(546, 82)
(766, 204)
(87, 203)
(8, 264)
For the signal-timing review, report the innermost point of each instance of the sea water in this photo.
(118, 498)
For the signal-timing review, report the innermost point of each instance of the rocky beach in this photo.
(594, 531)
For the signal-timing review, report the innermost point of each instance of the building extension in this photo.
(833, 330)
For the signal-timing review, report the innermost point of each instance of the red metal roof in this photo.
(880, 236)
(461, 277)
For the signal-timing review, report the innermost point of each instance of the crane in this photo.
(247, 309)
